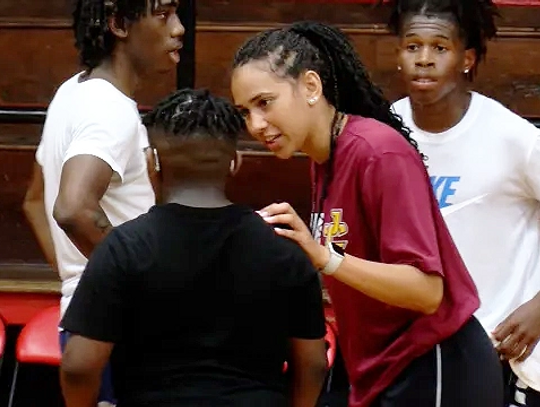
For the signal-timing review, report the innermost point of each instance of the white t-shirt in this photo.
(485, 172)
(93, 117)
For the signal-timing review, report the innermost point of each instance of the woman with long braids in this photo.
(484, 162)
(402, 295)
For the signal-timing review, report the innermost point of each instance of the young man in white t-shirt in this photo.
(91, 163)
(484, 163)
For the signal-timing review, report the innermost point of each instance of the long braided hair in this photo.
(346, 84)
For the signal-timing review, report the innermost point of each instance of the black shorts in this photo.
(517, 393)
(462, 371)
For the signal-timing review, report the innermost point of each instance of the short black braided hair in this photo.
(93, 38)
(189, 113)
(475, 20)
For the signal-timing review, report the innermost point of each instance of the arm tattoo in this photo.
(101, 221)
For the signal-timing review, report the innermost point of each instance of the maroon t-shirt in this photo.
(380, 207)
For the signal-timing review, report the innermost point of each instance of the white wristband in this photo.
(333, 263)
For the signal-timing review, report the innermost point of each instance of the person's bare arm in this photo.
(519, 334)
(81, 369)
(34, 210)
(83, 182)
(308, 367)
(306, 359)
(398, 285)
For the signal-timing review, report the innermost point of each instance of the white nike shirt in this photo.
(485, 172)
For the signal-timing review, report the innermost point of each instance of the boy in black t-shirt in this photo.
(197, 302)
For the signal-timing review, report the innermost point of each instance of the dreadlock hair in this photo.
(302, 46)
(189, 113)
(93, 38)
(475, 20)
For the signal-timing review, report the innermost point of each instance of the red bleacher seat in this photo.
(2, 340)
(38, 343)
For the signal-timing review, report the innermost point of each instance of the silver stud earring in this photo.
(312, 101)
(399, 68)
(466, 70)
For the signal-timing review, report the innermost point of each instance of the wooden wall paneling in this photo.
(31, 73)
(17, 242)
(26, 9)
(511, 74)
(276, 180)
(516, 85)
(229, 23)
(214, 62)
(20, 134)
(262, 11)
(343, 14)
(36, 44)
(272, 12)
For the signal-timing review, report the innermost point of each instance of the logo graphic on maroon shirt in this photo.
(336, 229)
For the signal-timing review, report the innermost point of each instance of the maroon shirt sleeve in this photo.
(399, 204)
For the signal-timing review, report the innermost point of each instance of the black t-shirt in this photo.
(200, 304)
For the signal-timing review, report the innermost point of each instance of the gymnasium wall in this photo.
(37, 54)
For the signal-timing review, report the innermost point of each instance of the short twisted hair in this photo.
(474, 18)
(191, 113)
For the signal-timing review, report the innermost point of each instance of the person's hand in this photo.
(520, 332)
(283, 214)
